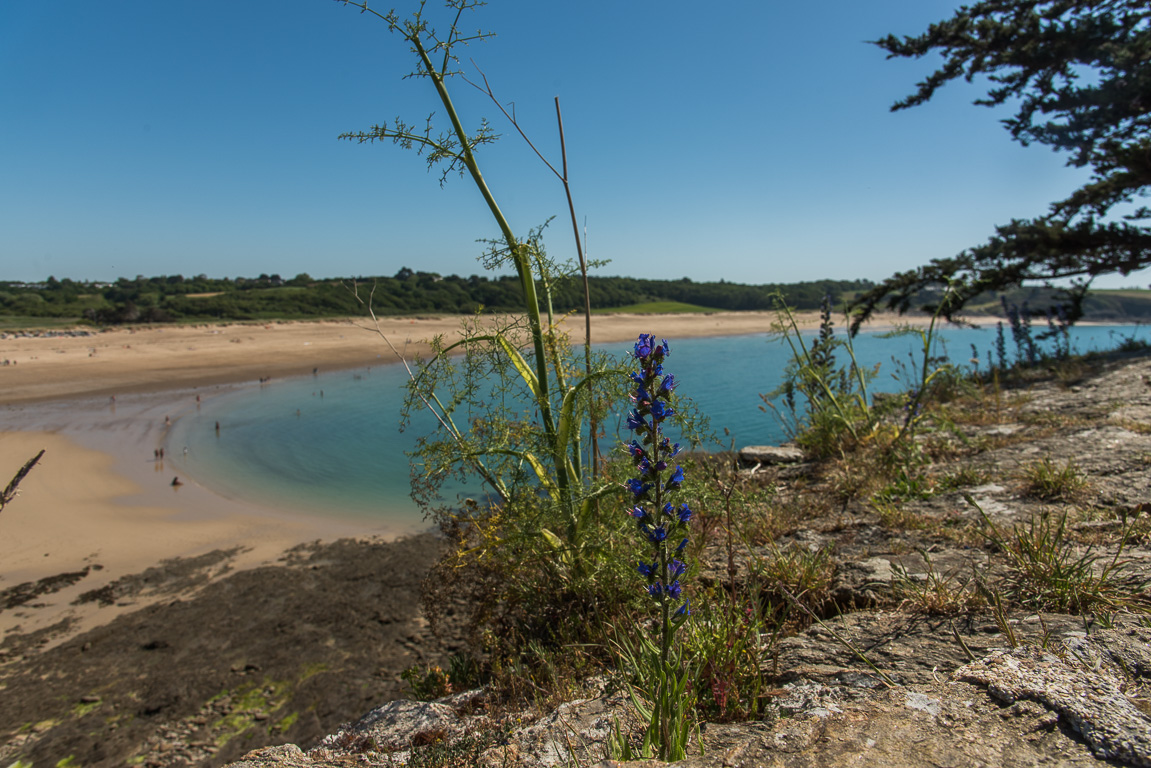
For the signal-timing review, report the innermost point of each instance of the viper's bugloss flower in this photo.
(643, 347)
(650, 450)
(636, 450)
(683, 609)
(638, 487)
(635, 421)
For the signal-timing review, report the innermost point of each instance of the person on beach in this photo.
(176, 482)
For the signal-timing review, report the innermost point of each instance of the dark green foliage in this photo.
(175, 298)
(1079, 74)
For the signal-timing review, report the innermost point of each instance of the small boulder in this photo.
(770, 454)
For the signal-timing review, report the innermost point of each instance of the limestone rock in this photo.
(767, 455)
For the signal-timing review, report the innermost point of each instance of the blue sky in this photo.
(750, 142)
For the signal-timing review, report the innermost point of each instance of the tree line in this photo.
(175, 298)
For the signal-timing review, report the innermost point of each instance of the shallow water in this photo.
(330, 444)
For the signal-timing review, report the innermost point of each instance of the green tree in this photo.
(1078, 73)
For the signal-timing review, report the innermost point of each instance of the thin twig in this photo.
(844, 641)
(10, 491)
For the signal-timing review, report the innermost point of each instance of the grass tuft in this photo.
(1050, 482)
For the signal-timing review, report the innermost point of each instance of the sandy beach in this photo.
(119, 361)
(98, 404)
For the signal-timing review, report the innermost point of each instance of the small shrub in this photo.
(426, 683)
(732, 635)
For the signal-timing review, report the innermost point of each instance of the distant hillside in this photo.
(176, 298)
(1122, 305)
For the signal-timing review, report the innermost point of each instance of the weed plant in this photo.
(518, 414)
(820, 405)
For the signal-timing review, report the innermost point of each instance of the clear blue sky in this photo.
(750, 141)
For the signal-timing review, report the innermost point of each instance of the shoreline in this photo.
(99, 403)
(99, 503)
(120, 361)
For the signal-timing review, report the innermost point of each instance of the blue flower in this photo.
(638, 487)
(676, 569)
(641, 395)
(676, 479)
(655, 590)
(635, 421)
(657, 534)
(636, 450)
(660, 410)
(647, 569)
(682, 546)
(673, 590)
(643, 347)
(684, 513)
(638, 512)
(667, 385)
(683, 609)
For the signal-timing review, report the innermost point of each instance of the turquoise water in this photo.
(330, 444)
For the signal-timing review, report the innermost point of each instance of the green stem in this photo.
(519, 258)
